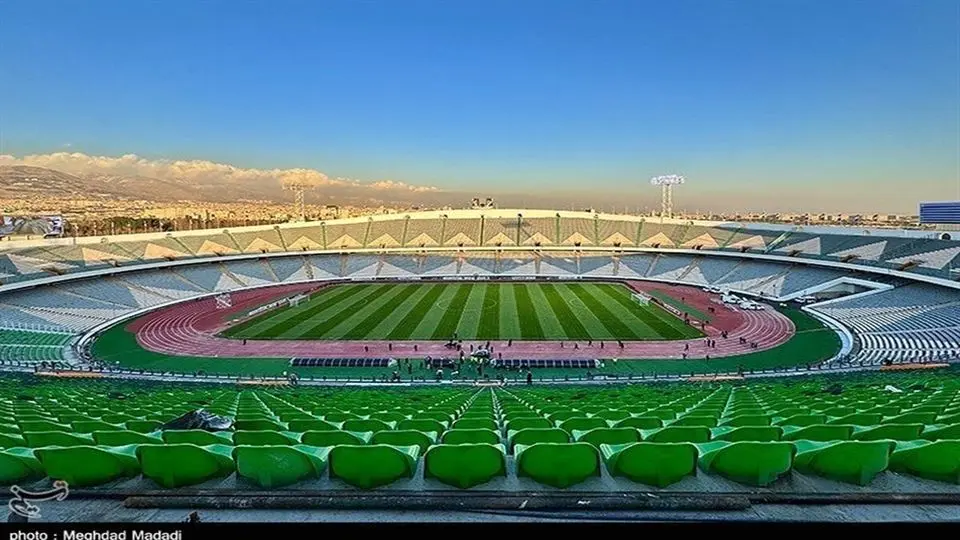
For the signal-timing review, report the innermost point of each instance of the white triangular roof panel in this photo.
(616, 238)
(658, 238)
(869, 252)
(809, 247)
(260, 245)
(384, 240)
(344, 241)
(304, 243)
(500, 238)
(460, 238)
(576, 237)
(537, 237)
(704, 240)
(91, 255)
(212, 248)
(156, 251)
(422, 238)
(931, 259)
(755, 241)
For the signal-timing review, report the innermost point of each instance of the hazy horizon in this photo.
(784, 106)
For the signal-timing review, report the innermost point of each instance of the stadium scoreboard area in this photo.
(940, 213)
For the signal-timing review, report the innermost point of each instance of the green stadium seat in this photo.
(57, 438)
(422, 424)
(912, 418)
(613, 415)
(372, 466)
(84, 466)
(43, 425)
(854, 462)
(639, 422)
(265, 438)
(750, 463)
(197, 437)
(653, 464)
(746, 433)
(10, 428)
(821, 432)
(947, 419)
(746, 420)
(123, 437)
(470, 436)
(605, 435)
(895, 432)
(184, 464)
(312, 424)
(18, 465)
(941, 432)
(436, 415)
(340, 417)
(12, 440)
(408, 437)
(142, 426)
(691, 434)
(475, 423)
(367, 425)
(705, 421)
(801, 420)
(260, 425)
(529, 436)
(581, 423)
(559, 465)
(275, 466)
(465, 465)
(933, 460)
(561, 416)
(517, 424)
(90, 426)
(857, 419)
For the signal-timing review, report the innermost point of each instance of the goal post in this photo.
(641, 298)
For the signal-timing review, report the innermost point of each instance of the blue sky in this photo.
(763, 104)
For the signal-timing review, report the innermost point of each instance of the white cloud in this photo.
(193, 171)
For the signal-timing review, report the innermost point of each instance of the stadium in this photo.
(482, 358)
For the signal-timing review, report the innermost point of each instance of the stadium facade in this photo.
(892, 294)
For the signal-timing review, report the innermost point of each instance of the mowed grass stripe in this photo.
(548, 318)
(260, 324)
(434, 313)
(685, 330)
(365, 327)
(612, 321)
(489, 327)
(472, 310)
(571, 324)
(636, 317)
(315, 326)
(282, 322)
(451, 317)
(663, 323)
(405, 327)
(594, 325)
(529, 322)
(509, 325)
(338, 326)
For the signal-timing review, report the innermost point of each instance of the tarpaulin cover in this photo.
(200, 419)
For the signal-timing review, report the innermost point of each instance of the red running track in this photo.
(190, 328)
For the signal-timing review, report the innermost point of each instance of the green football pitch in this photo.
(474, 311)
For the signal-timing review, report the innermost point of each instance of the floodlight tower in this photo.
(298, 188)
(299, 181)
(666, 184)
